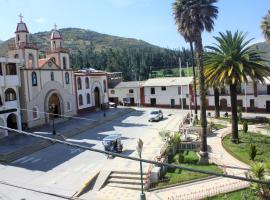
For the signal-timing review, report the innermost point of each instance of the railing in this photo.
(56, 50)
(22, 45)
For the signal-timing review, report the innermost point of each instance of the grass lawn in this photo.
(190, 160)
(218, 126)
(246, 194)
(240, 151)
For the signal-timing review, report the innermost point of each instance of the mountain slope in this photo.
(80, 39)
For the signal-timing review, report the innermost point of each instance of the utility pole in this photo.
(139, 150)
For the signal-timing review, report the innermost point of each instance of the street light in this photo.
(52, 107)
(139, 150)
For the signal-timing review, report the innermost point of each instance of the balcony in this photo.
(22, 45)
(56, 50)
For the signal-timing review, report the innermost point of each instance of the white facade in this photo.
(91, 90)
(9, 94)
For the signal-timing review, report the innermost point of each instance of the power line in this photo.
(137, 159)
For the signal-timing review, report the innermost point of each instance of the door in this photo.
(172, 103)
(252, 104)
(268, 106)
(132, 101)
(184, 104)
(268, 89)
(153, 102)
(97, 97)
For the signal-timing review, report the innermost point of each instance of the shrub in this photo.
(245, 127)
(252, 151)
(181, 158)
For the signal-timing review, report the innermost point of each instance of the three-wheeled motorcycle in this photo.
(113, 143)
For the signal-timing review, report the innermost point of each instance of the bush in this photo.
(245, 127)
(252, 151)
(181, 158)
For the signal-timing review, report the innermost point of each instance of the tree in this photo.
(192, 17)
(265, 26)
(231, 61)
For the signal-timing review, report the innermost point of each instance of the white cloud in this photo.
(40, 20)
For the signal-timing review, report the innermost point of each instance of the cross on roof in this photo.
(20, 16)
(55, 27)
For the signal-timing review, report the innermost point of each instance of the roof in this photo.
(56, 35)
(168, 81)
(129, 84)
(21, 27)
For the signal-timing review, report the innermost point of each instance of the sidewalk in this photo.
(16, 145)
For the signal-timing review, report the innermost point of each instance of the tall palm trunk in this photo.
(233, 91)
(199, 56)
(216, 94)
(194, 80)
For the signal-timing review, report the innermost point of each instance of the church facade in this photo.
(47, 84)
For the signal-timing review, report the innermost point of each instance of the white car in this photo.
(155, 115)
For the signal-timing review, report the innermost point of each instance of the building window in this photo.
(35, 113)
(179, 89)
(130, 91)
(87, 85)
(64, 62)
(16, 56)
(80, 100)
(88, 98)
(11, 69)
(34, 79)
(1, 72)
(52, 76)
(104, 85)
(68, 106)
(67, 77)
(163, 88)
(79, 83)
(10, 95)
(152, 90)
(112, 91)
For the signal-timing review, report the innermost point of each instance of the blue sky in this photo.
(149, 20)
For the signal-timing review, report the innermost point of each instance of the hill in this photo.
(80, 39)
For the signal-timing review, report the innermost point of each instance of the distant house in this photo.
(171, 92)
(126, 93)
(91, 88)
(10, 83)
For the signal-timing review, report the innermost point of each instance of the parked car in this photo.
(112, 104)
(155, 115)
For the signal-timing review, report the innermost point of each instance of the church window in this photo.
(80, 100)
(26, 39)
(35, 113)
(31, 60)
(104, 85)
(18, 38)
(1, 72)
(87, 83)
(67, 77)
(1, 103)
(10, 95)
(11, 69)
(34, 79)
(16, 56)
(54, 45)
(52, 76)
(79, 82)
(88, 98)
(64, 62)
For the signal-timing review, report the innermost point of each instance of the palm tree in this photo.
(192, 17)
(265, 26)
(231, 61)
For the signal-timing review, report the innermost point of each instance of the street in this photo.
(63, 170)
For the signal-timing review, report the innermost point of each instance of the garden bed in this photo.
(241, 150)
(177, 176)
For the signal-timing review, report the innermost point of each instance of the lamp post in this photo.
(52, 107)
(139, 150)
(104, 113)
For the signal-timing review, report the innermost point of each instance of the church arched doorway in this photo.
(12, 121)
(54, 105)
(97, 97)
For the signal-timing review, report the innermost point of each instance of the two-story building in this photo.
(91, 90)
(9, 94)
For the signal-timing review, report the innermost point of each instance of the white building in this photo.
(47, 84)
(91, 90)
(173, 92)
(126, 93)
(9, 94)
